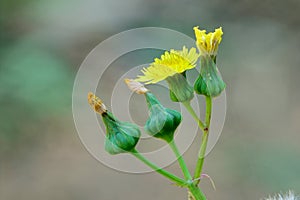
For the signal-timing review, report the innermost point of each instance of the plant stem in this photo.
(196, 192)
(163, 172)
(181, 161)
(201, 154)
(208, 101)
(189, 108)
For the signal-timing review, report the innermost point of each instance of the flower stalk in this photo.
(159, 170)
(181, 161)
(189, 108)
(202, 151)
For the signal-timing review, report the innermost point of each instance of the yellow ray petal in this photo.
(208, 43)
(169, 64)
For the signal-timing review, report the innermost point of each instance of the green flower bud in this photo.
(121, 136)
(209, 82)
(162, 122)
(180, 89)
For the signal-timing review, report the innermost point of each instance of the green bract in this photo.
(121, 136)
(162, 122)
(180, 89)
(209, 82)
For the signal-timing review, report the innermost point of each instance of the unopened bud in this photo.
(162, 122)
(121, 137)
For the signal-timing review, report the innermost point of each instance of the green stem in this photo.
(196, 192)
(189, 108)
(163, 172)
(208, 101)
(201, 154)
(193, 189)
(180, 159)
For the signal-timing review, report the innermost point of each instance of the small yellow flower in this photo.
(208, 43)
(169, 64)
(209, 81)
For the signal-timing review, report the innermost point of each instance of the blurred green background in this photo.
(42, 45)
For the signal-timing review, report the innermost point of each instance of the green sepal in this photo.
(173, 96)
(209, 82)
(121, 137)
(179, 88)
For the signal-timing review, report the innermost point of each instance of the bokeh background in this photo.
(42, 45)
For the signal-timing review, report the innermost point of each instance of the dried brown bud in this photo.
(96, 103)
(135, 86)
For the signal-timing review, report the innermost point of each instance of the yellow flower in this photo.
(208, 43)
(209, 82)
(169, 64)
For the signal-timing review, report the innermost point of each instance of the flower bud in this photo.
(209, 82)
(162, 122)
(121, 136)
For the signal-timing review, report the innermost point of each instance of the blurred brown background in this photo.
(42, 45)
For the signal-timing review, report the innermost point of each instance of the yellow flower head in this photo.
(208, 43)
(169, 64)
